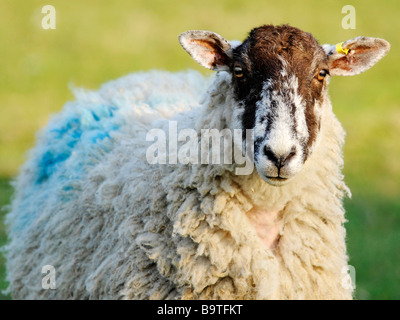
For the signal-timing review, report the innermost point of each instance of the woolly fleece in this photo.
(116, 227)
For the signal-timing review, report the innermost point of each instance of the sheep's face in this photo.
(279, 79)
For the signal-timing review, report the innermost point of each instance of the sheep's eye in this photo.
(322, 74)
(238, 71)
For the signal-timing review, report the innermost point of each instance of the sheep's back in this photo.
(75, 142)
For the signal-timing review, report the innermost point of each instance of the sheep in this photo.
(115, 224)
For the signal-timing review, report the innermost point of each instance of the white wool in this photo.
(133, 230)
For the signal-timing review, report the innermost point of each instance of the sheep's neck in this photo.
(267, 224)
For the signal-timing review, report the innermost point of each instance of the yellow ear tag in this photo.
(340, 49)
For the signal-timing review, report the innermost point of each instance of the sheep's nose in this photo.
(279, 160)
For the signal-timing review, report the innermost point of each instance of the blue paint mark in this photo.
(91, 127)
(73, 123)
(68, 188)
(100, 136)
(48, 164)
(78, 137)
(96, 118)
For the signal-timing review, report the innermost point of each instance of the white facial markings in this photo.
(263, 111)
(280, 126)
(280, 112)
(300, 110)
(281, 137)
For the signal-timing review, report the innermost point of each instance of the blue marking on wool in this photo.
(95, 116)
(91, 127)
(68, 188)
(66, 149)
(49, 163)
(77, 138)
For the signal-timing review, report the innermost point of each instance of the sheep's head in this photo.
(279, 80)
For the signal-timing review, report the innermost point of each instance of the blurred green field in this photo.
(96, 41)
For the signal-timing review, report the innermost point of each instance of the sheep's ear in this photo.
(355, 56)
(207, 48)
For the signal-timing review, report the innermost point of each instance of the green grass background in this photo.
(96, 41)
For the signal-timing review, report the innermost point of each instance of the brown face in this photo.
(279, 83)
(279, 76)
